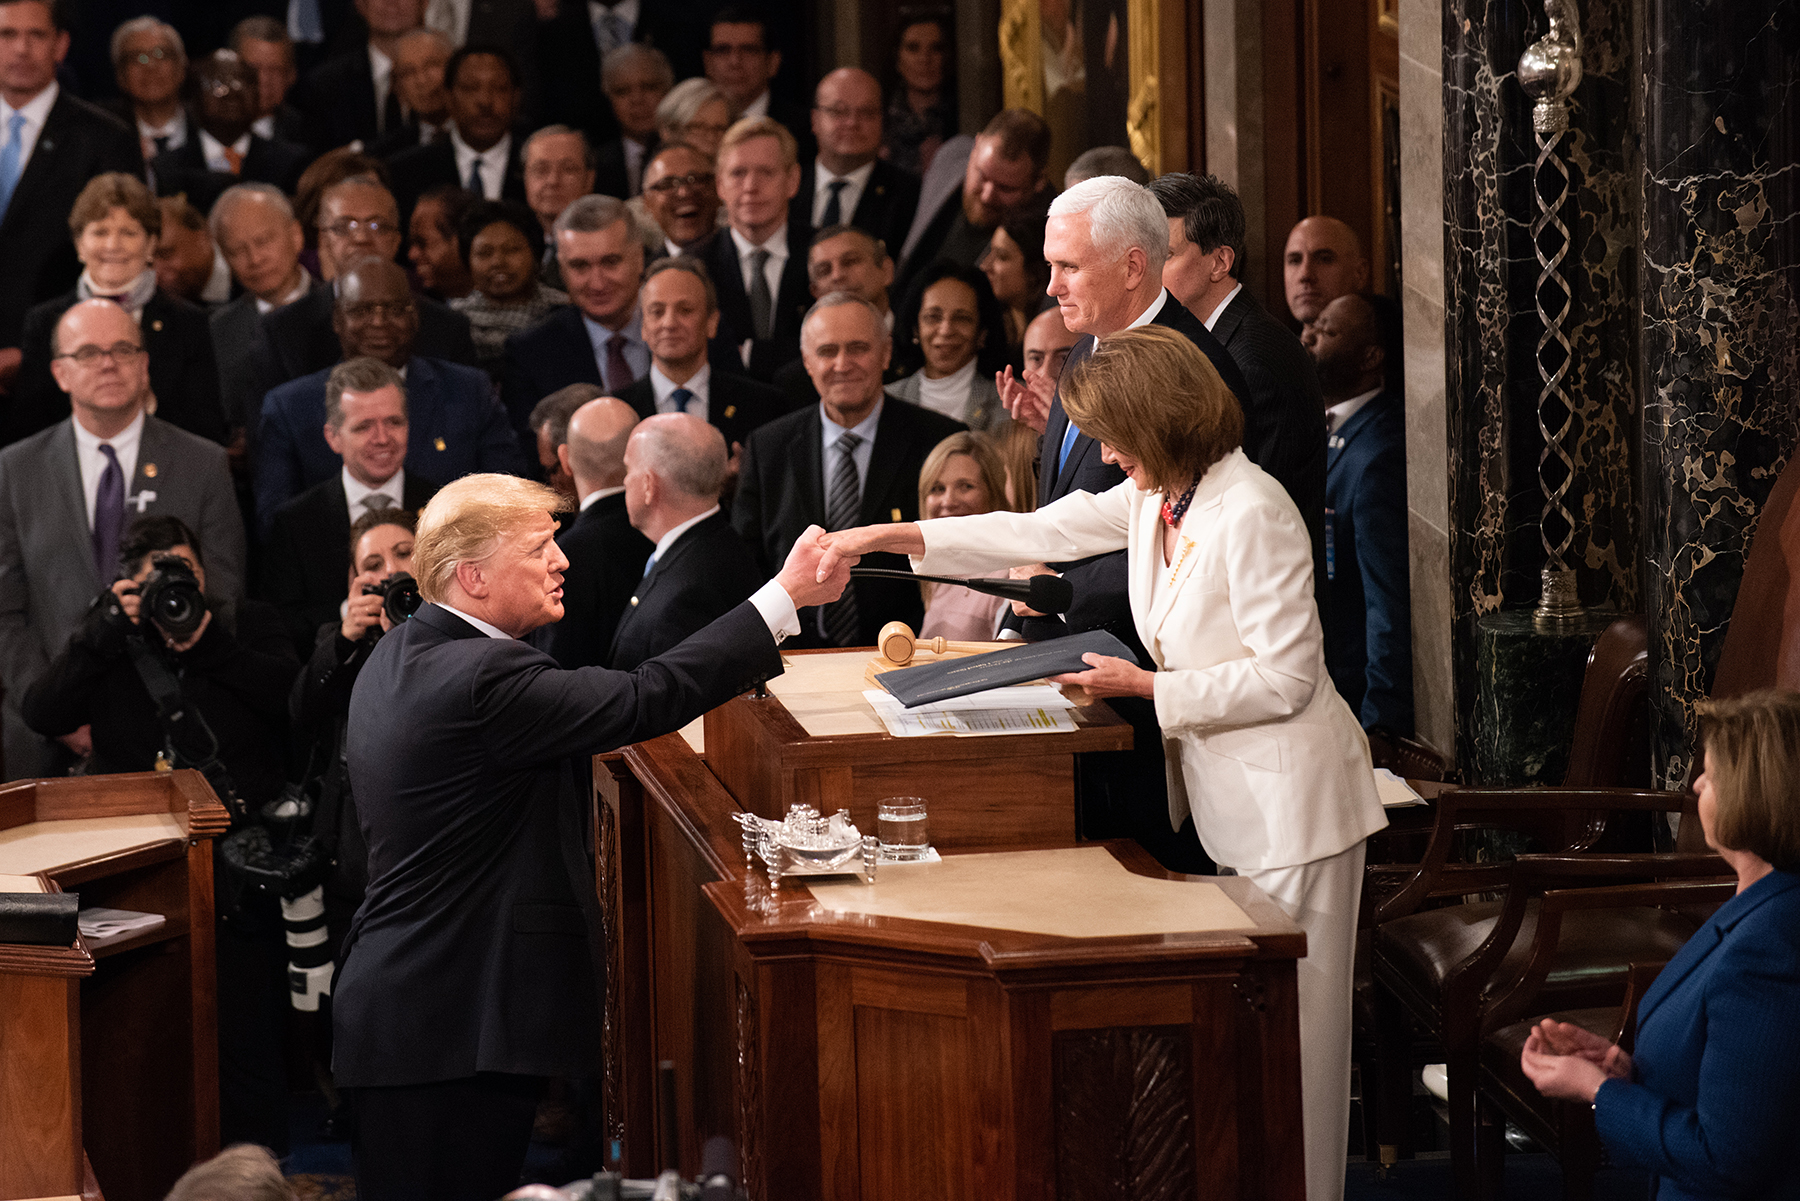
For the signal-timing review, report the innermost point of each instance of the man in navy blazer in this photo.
(1368, 615)
(456, 424)
(699, 569)
(475, 966)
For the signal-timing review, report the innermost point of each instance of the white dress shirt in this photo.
(848, 199)
(264, 126)
(213, 151)
(93, 463)
(1149, 314)
(667, 540)
(218, 284)
(36, 112)
(599, 494)
(625, 10)
(1344, 410)
(450, 18)
(381, 69)
(700, 384)
(300, 290)
(492, 160)
(777, 246)
(758, 107)
(484, 627)
(175, 129)
(1229, 297)
(356, 492)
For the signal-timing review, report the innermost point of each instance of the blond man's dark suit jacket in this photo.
(47, 577)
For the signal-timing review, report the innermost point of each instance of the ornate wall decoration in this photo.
(1124, 1114)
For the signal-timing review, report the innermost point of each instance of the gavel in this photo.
(898, 644)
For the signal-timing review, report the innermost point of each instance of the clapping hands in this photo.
(1028, 397)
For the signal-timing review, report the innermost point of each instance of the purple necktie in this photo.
(618, 372)
(109, 516)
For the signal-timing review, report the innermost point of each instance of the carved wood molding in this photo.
(606, 856)
(1124, 1114)
(749, 1093)
(1143, 112)
(1021, 55)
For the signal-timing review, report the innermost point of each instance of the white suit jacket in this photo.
(1261, 748)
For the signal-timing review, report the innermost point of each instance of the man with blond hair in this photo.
(473, 969)
(758, 262)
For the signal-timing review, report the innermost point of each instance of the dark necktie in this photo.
(390, 112)
(842, 504)
(762, 305)
(618, 371)
(681, 398)
(162, 142)
(477, 187)
(109, 516)
(834, 209)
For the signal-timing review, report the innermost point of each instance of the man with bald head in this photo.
(66, 495)
(1324, 260)
(606, 555)
(1368, 620)
(357, 219)
(851, 459)
(675, 466)
(456, 423)
(848, 183)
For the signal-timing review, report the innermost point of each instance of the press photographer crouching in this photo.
(227, 670)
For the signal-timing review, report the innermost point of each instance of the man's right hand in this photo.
(1020, 608)
(80, 741)
(800, 574)
(1027, 398)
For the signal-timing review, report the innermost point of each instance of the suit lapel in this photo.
(890, 450)
(808, 458)
(1703, 944)
(45, 156)
(1336, 444)
(1054, 479)
(66, 496)
(1207, 499)
(151, 476)
(728, 279)
(1231, 320)
(794, 296)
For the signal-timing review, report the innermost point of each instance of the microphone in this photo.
(1045, 593)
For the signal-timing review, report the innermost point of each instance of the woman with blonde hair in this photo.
(1710, 1099)
(962, 475)
(1260, 746)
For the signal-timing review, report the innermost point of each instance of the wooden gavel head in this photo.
(896, 642)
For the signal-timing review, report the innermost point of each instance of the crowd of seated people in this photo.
(301, 279)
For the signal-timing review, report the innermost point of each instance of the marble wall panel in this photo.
(1720, 337)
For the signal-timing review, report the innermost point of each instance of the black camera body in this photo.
(170, 597)
(401, 596)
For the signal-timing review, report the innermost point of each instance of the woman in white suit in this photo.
(1260, 746)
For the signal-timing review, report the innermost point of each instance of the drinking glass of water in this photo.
(900, 826)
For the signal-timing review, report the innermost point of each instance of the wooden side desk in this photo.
(112, 1050)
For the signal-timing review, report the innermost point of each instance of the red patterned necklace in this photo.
(1174, 511)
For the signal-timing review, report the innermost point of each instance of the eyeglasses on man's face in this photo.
(701, 181)
(349, 227)
(121, 353)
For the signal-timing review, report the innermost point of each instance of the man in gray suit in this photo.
(256, 230)
(65, 496)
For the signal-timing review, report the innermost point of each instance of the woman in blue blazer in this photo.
(1710, 1103)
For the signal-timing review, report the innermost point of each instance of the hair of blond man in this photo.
(1152, 394)
(749, 128)
(467, 520)
(245, 1172)
(1753, 760)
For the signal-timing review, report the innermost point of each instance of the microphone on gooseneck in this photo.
(1045, 593)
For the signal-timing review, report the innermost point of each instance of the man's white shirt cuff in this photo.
(777, 610)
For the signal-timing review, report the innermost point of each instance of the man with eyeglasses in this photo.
(455, 423)
(847, 182)
(972, 186)
(66, 495)
(357, 219)
(741, 63)
(150, 64)
(78, 141)
(226, 151)
(681, 192)
(558, 166)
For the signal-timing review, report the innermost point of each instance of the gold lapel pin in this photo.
(156, 325)
(149, 471)
(731, 410)
(893, 514)
(438, 442)
(634, 602)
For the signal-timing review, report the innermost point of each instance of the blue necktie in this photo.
(477, 188)
(12, 160)
(1068, 444)
(681, 397)
(649, 564)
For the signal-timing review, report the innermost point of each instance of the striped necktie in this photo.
(842, 504)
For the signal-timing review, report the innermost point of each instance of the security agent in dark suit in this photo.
(1206, 256)
(606, 555)
(851, 460)
(309, 538)
(758, 261)
(64, 498)
(223, 150)
(598, 338)
(1108, 280)
(674, 468)
(848, 182)
(681, 317)
(62, 143)
(473, 968)
(1368, 622)
(456, 425)
(480, 154)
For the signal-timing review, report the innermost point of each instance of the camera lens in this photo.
(172, 598)
(403, 599)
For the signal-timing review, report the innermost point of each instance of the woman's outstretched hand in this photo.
(847, 546)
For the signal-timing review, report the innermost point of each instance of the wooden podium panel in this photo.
(113, 1049)
(864, 1057)
(1011, 790)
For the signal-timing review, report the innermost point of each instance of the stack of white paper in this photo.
(1026, 709)
(100, 927)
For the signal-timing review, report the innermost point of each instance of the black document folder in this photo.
(946, 678)
(45, 919)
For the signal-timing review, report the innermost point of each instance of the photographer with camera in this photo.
(231, 667)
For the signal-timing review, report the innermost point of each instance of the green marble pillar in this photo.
(1528, 684)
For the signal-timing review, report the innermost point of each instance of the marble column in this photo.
(1720, 334)
(1491, 326)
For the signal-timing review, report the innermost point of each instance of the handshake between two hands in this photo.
(814, 574)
